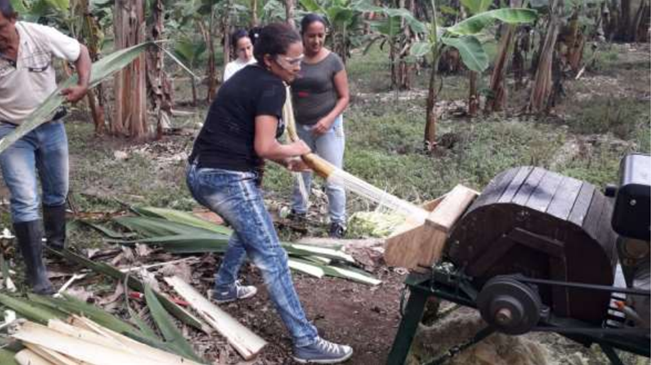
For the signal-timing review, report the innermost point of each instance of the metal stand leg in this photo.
(407, 329)
(611, 354)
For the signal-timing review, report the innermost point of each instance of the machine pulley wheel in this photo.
(512, 307)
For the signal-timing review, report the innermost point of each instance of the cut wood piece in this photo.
(80, 349)
(245, 342)
(418, 245)
(451, 208)
(28, 357)
(53, 356)
(121, 341)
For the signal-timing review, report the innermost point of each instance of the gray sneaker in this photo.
(235, 292)
(322, 352)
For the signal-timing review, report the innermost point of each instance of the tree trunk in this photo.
(404, 67)
(158, 84)
(226, 31)
(289, 12)
(130, 92)
(91, 33)
(430, 124)
(519, 58)
(624, 22)
(497, 99)
(640, 28)
(542, 86)
(254, 14)
(211, 73)
(473, 94)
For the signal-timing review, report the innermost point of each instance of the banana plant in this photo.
(461, 36)
(390, 30)
(346, 22)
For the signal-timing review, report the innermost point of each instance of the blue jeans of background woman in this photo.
(329, 146)
(236, 198)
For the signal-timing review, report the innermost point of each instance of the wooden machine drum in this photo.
(545, 226)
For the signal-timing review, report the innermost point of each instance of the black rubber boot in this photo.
(30, 242)
(54, 221)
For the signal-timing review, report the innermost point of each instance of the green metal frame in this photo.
(446, 283)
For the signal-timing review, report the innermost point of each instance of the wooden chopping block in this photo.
(418, 245)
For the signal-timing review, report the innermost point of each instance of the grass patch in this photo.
(621, 117)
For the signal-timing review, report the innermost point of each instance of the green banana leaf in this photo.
(19, 6)
(477, 6)
(173, 337)
(476, 23)
(135, 317)
(108, 270)
(33, 311)
(181, 217)
(180, 232)
(471, 51)
(156, 227)
(72, 305)
(104, 230)
(7, 357)
(183, 244)
(101, 70)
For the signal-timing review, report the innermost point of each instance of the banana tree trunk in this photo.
(498, 93)
(226, 31)
(130, 91)
(640, 28)
(404, 67)
(497, 99)
(430, 124)
(542, 86)
(624, 22)
(575, 49)
(91, 33)
(473, 94)
(211, 73)
(254, 14)
(158, 84)
(289, 12)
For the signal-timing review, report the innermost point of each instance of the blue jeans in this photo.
(329, 146)
(236, 198)
(45, 149)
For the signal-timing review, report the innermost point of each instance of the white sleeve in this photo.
(60, 44)
(228, 71)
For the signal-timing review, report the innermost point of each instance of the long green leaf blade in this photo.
(72, 305)
(471, 51)
(32, 311)
(174, 338)
(477, 23)
(7, 357)
(182, 217)
(133, 283)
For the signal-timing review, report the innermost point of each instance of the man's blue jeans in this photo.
(329, 146)
(43, 150)
(236, 198)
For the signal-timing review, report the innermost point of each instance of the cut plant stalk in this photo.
(247, 343)
(351, 183)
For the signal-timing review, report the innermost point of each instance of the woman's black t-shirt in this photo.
(226, 139)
